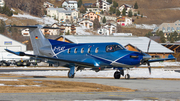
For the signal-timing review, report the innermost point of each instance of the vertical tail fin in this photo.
(38, 41)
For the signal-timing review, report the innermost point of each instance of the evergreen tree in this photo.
(130, 13)
(80, 3)
(136, 6)
(110, 1)
(149, 34)
(138, 12)
(2, 26)
(96, 24)
(115, 4)
(82, 9)
(104, 19)
(68, 33)
(118, 13)
(124, 12)
(102, 12)
(161, 34)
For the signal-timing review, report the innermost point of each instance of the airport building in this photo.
(131, 43)
(8, 43)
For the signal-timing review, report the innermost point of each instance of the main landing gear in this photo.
(120, 72)
(71, 73)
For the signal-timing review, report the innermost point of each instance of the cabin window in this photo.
(82, 50)
(89, 50)
(96, 51)
(110, 48)
(75, 50)
(69, 50)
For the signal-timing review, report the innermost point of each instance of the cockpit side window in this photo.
(110, 48)
(118, 47)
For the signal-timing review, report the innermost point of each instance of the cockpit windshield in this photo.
(112, 48)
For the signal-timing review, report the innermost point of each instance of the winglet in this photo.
(16, 53)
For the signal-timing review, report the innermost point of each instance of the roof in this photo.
(61, 10)
(106, 2)
(140, 42)
(169, 27)
(87, 4)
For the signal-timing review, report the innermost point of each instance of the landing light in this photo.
(132, 56)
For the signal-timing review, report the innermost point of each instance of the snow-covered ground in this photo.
(81, 31)
(146, 26)
(45, 20)
(134, 72)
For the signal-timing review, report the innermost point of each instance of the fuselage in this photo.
(97, 54)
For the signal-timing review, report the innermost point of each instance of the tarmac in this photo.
(146, 89)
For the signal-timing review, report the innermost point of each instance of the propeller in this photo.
(148, 46)
(149, 67)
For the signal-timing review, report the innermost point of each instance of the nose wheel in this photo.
(118, 73)
(127, 76)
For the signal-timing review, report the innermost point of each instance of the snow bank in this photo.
(146, 26)
(45, 20)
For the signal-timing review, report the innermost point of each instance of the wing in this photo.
(52, 58)
(170, 57)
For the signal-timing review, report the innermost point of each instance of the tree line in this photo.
(171, 37)
(6, 10)
(33, 7)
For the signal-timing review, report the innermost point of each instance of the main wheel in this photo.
(117, 75)
(127, 76)
(72, 76)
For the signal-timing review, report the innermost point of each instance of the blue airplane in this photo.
(97, 56)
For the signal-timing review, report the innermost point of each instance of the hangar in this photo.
(131, 43)
(8, 43)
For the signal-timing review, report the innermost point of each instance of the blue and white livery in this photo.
(97, 56)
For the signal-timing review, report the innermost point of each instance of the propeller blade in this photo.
(149, 70)
(148, 46)
(149, 67)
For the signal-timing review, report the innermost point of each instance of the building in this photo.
(63, 15)
(25, 32)
(168, 28)
(124, 21)
(131, 43)
(48, 5)
(8, 43)
(2, 3)
(127, 7)
(103, 31)
(91, 16)
(87, 23)
(70, 5)
(63, 28)
(107, 29)
(103, 5)
(95, 10)
(87, 4)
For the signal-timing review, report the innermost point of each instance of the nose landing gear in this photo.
(119, 72)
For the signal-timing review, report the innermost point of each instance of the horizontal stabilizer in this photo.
(170, 57)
